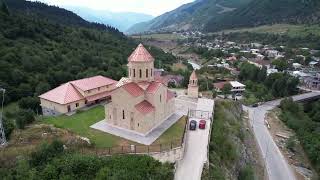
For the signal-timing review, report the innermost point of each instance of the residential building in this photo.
(313, 82)
(77, 94)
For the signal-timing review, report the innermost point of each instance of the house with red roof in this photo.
(140, 102)
(77, 94)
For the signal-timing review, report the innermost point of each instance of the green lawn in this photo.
(174, 133)
(291, 30)
(80, 123)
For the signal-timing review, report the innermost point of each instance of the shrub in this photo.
(246, 173)
(8, 126)
(46, 152)
(29, 103)
(24, 117)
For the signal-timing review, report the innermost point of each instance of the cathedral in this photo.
(139, 102)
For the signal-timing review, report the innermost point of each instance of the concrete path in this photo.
(134, 136)
(190, 167)
(277, 166)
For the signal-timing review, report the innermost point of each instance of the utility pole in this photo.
(3, 140)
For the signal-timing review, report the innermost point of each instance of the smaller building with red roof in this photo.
(77, 94)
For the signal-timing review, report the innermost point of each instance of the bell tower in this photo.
(141, 65)
(193, 88)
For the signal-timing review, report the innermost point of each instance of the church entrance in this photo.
(131, 121)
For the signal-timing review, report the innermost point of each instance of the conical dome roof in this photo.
(193, 76)
(140, 55)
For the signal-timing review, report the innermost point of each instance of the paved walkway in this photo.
(134, 136)
(190, 167)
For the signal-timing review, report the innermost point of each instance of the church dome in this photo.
(140, 54)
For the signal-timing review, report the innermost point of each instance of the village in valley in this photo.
(86, 101)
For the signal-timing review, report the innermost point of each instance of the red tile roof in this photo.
(193, 76)
(140, 55)
(92, 82)
(170, 95)
(153, 87)
(133, 89)
(63, 94)
(98, 96)
(220, 85)
(144, 107)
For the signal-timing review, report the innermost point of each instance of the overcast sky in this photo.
(152, 7)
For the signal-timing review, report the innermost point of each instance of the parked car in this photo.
(202, 124)
(175, 94)
(193, 125)
(255, 105)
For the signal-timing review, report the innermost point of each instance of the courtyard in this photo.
(80, 123)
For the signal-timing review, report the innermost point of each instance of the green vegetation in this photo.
(306, 124)
(51, 161)
(174, 133)
(288, 29)
(80, 123)
(262, 12)
(39, 53)
(260, 87)
(227, 138)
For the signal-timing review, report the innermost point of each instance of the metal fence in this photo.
(199, 114)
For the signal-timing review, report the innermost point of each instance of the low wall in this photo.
(171, 156)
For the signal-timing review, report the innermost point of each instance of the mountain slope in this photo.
(120, 20)
(261, 12)
(38, 53)
(193, 16)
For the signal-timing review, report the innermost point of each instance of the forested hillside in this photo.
(38, 53)
(261, 12)
(191, 16)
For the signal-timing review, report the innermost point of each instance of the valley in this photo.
(213, 89)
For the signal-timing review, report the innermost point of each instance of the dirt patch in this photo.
(293, 153)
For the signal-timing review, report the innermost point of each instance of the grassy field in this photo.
(159, 36)
(291, 30)
(10, 109)
(80, 124)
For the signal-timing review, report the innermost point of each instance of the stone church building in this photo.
(139, 102)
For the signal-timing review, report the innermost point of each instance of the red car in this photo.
(202, 124)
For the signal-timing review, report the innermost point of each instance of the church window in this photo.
(129, 72)
(151, 72)
(147, 73)
(123, 115)
(134, 72)
(138, 124)
(160, 97)
(140, 73)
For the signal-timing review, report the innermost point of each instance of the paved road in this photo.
(190, 167)
(277, 166)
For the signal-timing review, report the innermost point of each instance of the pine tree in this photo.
(4, 8)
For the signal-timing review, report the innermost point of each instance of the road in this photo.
(190, 167)
(277, 166)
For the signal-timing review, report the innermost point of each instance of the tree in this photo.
(30, 103)
(4, 8)
(226, 89)
(280, 64)
(8, 126)
(24, 117)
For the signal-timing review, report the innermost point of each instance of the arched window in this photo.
(140, 73)
(151, 72)
(123, 115)
(134, 72)
(129, 72)
(160, 97)
(147, 73)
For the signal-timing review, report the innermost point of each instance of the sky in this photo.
(152, 7)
